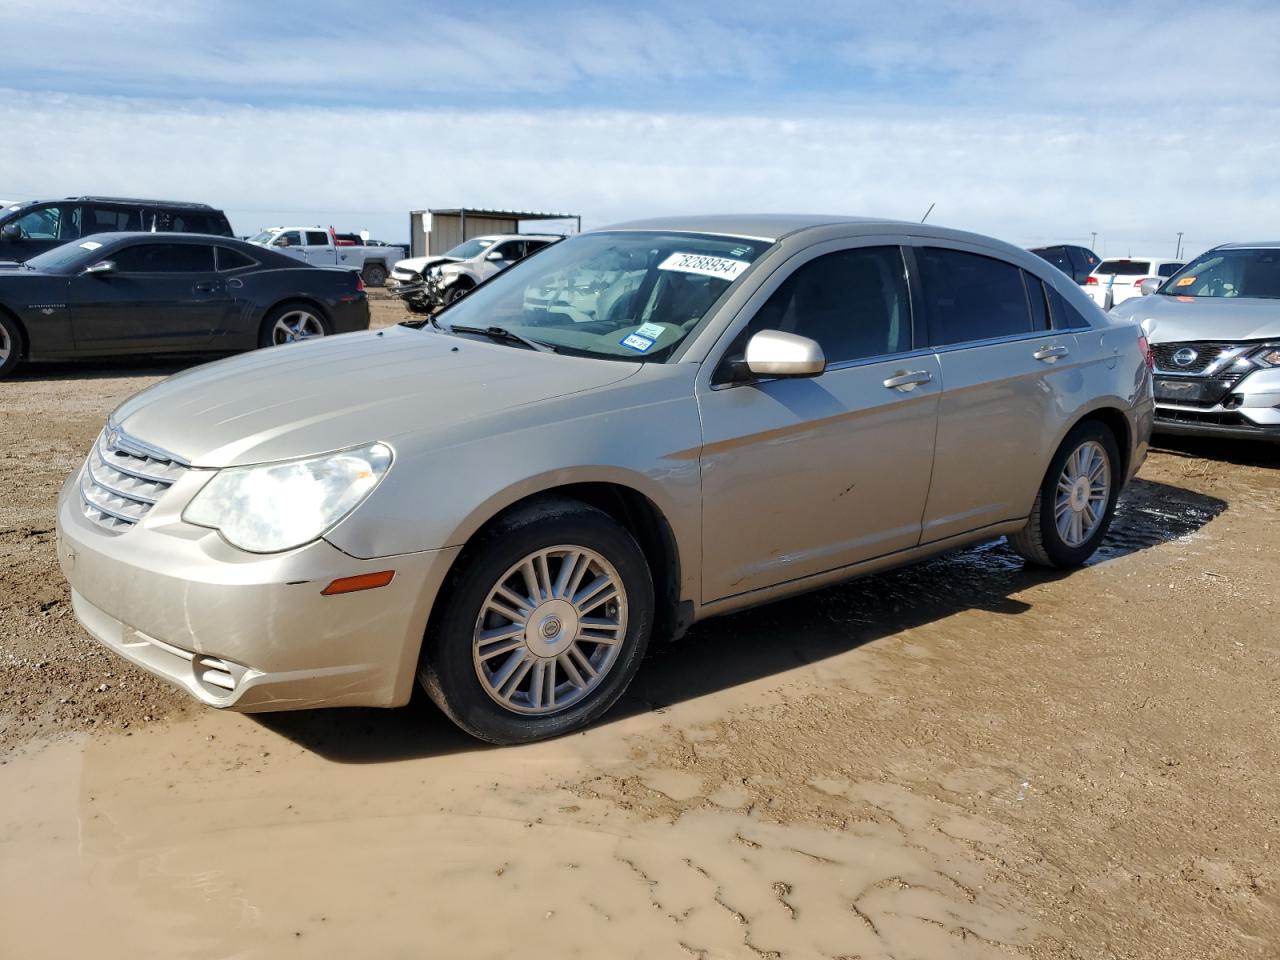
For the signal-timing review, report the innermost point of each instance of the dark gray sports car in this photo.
(149, 294)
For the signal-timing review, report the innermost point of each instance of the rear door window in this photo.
(1124, 268)
(111, 219)
(165, 258)
(317, 238)
(971, 297)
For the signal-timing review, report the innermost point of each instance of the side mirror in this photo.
(11, 231)
(495, 256)
(1150, 285)
(772, 353)
(100, 269)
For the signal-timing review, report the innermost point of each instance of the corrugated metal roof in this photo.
(502, 214)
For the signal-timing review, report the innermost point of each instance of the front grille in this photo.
(1208, 418)
(1206, 354)
(1195, 391)
(124, 478)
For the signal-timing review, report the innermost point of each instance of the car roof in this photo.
(1138, 256)
(1258, 244)
(756, 226)
(177, 204)
(164, 236)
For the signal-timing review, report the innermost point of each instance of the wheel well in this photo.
(644, 521)
(463, 281)
(24, 341)
(298, 301)
(1115, 421)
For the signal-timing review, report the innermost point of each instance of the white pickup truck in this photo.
(317, 245)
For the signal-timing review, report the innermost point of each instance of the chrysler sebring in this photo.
(632, 430)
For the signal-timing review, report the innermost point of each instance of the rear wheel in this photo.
(375, 274)
(291, 322)
(10, 346)
(544, 624)
(1073, 510)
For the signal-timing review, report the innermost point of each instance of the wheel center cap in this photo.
(1080, 493)
(551, 628)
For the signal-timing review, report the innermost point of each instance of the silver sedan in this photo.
(635, 429)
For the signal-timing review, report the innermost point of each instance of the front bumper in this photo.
(243, 631)
(1248, 408)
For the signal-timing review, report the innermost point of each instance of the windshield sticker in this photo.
(90, 245)
(651, 331)
(637, 343)
(705, 266)
(1185, 282)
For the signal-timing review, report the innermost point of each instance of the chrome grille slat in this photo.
(124, 478)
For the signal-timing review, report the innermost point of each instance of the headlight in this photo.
(1268, 356)
(279, 506)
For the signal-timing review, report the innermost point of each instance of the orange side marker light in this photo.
(363, 581)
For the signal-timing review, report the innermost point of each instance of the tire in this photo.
(416, 307)
(374, 274)
(10, 345)
(453, 294)
(1043, 541)
(464, 674)
(290, 315)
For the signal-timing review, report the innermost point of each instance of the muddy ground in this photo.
(962, 759)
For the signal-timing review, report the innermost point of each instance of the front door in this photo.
(801, 476)
(161, 296)
(40, 229)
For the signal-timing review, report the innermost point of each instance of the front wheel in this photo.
(291, 322)
(1076, 501)
(543, 627)
(453, 294)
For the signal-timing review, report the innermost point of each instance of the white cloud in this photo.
(1021, 176)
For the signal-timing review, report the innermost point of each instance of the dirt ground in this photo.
(962, 759)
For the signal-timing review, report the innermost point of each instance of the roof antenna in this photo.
(929, 211)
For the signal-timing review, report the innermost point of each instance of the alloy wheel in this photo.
(1083, 491)
(296, 325)
(550, 630)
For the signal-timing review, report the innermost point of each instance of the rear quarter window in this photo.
(1062, 315)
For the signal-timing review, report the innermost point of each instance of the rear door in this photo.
(1003, 374)
(111, 218)
(801, 476)
(162, 296)
(318, 248)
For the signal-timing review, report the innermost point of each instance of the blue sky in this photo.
(1030, 121)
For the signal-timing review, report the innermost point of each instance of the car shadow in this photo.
(727, 651)
(104, 369)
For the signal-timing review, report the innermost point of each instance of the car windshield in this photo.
(619, 296)
(472, 248)
(1251, 273)
(73, 254)
(263, 238)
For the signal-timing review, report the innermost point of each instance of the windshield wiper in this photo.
(503, 335)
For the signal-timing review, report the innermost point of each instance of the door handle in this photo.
(1050, 354)
(909, 380)
(206, 287)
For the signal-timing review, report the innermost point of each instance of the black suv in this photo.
(27, 229)
(1076, 262)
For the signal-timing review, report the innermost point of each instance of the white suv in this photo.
(1116, 280)
(444, 279)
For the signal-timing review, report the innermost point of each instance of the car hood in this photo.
(308, 398)
(1170, 319)
(418, 264)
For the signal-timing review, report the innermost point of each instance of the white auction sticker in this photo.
(651, 330)
(699, 263)
(90, 245)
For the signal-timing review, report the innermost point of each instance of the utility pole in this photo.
(1093, 244)
(1178, 255)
